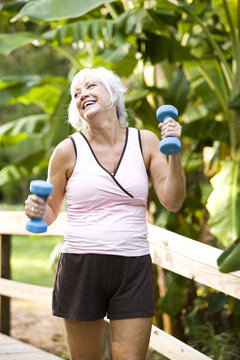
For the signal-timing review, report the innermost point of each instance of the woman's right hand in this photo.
(35, 206)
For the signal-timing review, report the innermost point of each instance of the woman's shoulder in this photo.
(148, 137)
(65, 145)
(63, 158)
(64, 150)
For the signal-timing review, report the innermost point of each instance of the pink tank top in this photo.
(107, 212)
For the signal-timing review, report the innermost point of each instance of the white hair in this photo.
(112, 84)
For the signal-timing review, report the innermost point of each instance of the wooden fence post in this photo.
(106, 348)
(5, 272)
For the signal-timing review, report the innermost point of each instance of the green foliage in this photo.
(10, 42)
(173, 300)
(41, 90)
(224, 202)
(207, 130)
(26, 142)
(229, 260)
(222, 346)
(153, 355)
(49, 10)
(203, 325)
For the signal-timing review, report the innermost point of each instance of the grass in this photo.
(30, 259)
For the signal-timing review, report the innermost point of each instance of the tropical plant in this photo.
(217, 346)
(213, 34)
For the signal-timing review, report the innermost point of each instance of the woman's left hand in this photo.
(170, 127)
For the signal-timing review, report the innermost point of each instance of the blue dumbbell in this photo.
(169, 145)
(43, 189)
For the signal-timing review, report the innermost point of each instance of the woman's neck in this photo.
(105, 131)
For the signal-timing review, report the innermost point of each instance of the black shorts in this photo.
(90, 286)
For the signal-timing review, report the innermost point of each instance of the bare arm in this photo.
(167, 176)
(60, 169)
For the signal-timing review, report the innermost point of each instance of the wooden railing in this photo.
(184, 256)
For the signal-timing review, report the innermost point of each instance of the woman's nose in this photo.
(84, 94)
(82, 98)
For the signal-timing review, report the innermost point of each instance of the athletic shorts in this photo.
(88, 287)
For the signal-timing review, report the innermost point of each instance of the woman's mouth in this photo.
(88, 103)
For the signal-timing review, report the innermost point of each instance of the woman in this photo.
(105, 266)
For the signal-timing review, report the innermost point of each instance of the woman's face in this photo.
(91, 97)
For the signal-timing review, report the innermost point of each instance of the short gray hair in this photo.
(112, 84)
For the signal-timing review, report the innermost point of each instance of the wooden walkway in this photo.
(12, 349)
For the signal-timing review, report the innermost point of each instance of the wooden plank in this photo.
(24, 291)
(14, 222)
(28, 356)
(5, 251)
(15, 347)
(191, 259)
(12, 349)
(173, 348)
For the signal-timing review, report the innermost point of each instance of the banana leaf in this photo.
(13, 41)
(49, 10)
(229, 260)
(18, 86)
(59, 127)
(224, 202)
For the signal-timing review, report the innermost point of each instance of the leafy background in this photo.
(184, 53)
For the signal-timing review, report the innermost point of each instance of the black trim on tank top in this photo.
(112, 175)
(119, 185)
(124, 148)
(140, 141)
(74, 144)
(140, 144)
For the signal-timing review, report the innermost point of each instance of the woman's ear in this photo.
(114, 98)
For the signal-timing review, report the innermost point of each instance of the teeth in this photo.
(88, 103)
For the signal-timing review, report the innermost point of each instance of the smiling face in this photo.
(91, 97)
(105, 91)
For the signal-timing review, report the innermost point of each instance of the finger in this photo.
(171, 131)
(34, 199)
(37, 199)
(168, 123)
(35, 204)
(33, 210)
